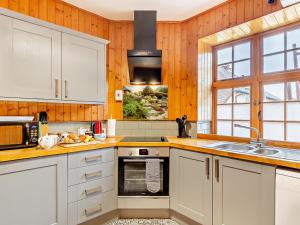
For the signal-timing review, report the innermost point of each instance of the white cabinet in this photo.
(83, 69)
(191, 185)
(30, 60)
(40, 61)
(287, 197)
(243, 193)
(34, 191)
(92, 189)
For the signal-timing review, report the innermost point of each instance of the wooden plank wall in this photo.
(221, 17)
(69, 16)
(177, 40)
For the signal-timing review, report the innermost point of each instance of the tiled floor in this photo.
(144, 222)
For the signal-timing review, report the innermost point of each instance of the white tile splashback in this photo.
(150, 128)
(128, 128)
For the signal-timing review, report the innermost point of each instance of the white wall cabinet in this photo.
(243, 193)
(191, 185)
(287, 197)
(30, 60)
(40, 61)
(34, 191)
(83, 69)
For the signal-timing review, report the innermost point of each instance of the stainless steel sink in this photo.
(234, 147)
(266, 151)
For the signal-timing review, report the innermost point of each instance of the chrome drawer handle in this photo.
(93, 190)
(91, 211)
(56, 88)
(93, 174)
(92, 158)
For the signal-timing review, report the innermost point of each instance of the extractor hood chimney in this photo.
(144, 61)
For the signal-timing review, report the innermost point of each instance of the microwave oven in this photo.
(18, 134)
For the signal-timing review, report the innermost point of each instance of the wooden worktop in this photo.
(197, 145)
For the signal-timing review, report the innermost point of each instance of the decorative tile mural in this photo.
(145, 102)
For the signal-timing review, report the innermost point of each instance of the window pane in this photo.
(274, 63)
(273, 131)
(241, 132)
(293, 111)
(224, 55)
(270, 108)
(273, 43)
(224, 112)
(241, 111)
(293, 39)
(224, 128)
(242, 95)
(293, 132)
(242, 69)
(225, 72)
(293, 91)
(242, 51)
(274, 92)
(293, 60)
(225, 96)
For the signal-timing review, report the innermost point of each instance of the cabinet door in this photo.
(243, 193)
(30, 60)
(34, 192)
(287, 197)
(83, 70)
(191, 185)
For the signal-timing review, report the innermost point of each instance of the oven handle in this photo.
(139, 160)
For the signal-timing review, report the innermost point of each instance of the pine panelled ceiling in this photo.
(168, 10)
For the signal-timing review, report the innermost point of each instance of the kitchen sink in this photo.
(266, 151)
(234, 147)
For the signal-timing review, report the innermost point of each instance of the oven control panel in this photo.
(144, 151)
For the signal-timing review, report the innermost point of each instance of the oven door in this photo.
(132, 177)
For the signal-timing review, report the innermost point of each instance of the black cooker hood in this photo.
(144, 61)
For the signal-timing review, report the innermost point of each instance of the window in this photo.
(268, 96)
(233, 107)
(281, 111)
(234, 61)
(281, 52)
(233, 101)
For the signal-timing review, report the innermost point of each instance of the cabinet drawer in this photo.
(81, 159)
(88, 173)
(90, 189)
(87, 209)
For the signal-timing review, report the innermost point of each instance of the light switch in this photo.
(119, 95)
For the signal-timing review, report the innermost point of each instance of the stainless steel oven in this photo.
(132, 170)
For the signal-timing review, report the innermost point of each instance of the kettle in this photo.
(48, 141)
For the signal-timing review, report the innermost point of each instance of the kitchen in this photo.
(148, 113)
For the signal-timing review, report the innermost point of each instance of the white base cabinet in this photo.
(34, 191)
(243, 193)
(92, 189)
(221, 191)
(191, 185)
(287, 197)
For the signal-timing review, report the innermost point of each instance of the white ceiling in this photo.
(167, 10)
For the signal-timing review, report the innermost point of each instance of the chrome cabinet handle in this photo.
(56, 88)
(217, 170)
(93, 190)
(93, 174)
(92, 158)
(207, 167)
(91, 211)
(66, 89)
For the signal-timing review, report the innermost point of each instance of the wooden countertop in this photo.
(197, 145)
